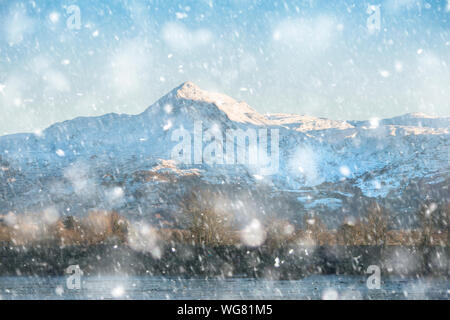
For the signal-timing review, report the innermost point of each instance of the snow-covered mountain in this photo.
(126, 162)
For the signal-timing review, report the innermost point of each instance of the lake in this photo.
(160, 288)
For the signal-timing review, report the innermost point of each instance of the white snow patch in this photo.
(60, 153)
(345, 171)
(254, 234)
(10, 219)
(144, 238)
(54, 17)
(118, 292)
(384, 73)
(50, 215)
(38, 133)
(374, 123)
(181, 15)
(168, 108)
(277, 262)
(115, 196)
(330, 294)
(168, 125)
(78, 175)
(304, 163)
(59, 290)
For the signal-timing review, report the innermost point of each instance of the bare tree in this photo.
(315, 228)
(207, 224)
(377, 225)
(433, 219)
(119, 226)
(346, 234)
(279, 232)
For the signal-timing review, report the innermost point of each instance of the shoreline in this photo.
(188, 261)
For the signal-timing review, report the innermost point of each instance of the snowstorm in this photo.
(224, 150)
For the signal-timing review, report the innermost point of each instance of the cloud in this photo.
(314, 34)
(432, 85)
(56, 80)
(398, 6)
(178, 37)
(129, 67)
(17, 25)
(305, 163)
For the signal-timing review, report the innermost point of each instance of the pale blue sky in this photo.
(309, 57)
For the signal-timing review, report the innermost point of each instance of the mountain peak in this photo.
(237, 111)
(190, 91)
(187, 90)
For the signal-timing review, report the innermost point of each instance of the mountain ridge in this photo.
(379, 157)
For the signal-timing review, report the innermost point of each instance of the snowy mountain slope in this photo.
(125, 161)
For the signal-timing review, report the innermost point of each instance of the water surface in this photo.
(146, 287)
